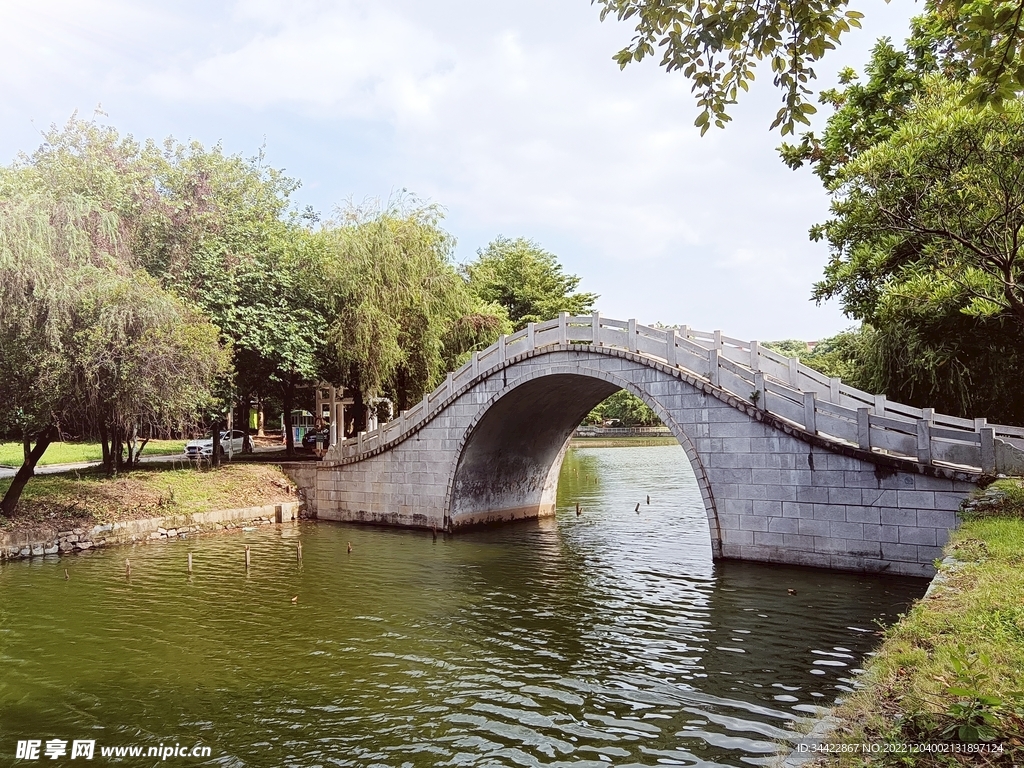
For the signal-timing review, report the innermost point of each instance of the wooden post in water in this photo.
(298, 551)
(127, 568)
(247, 561)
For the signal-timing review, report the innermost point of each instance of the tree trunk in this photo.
(108, 467)
(131, 440)
(141, 446)
(117, 446)
(243, 415)
(27, 470)
(358, 411)
(402, 390)
(288, 397)
(259, 417)
(215, 455)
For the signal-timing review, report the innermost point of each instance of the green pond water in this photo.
(606, 638)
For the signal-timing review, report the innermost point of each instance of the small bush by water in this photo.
(951, 671)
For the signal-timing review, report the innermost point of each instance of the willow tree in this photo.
(139, 359)
(40, 240)
(397, 309)
(71, 307)
(215, 229)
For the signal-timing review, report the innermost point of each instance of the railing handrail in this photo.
(798, 393)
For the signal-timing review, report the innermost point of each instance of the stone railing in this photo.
(771, 382)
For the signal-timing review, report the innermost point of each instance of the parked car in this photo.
(309, 440)
(204, 446)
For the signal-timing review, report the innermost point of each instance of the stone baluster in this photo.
(924, 441)
(810, 413)
(988, 450)
(864, 428)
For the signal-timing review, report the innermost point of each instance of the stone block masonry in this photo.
(43, 540)
(773, 491)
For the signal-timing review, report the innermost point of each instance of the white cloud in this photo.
(513, 116)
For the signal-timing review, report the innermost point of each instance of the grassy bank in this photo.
(620, 442)
(12, 454)
(952, 670)
(73, 499)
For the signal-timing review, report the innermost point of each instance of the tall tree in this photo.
(397, 308)
(215, 229)
(41, 241)
(81, 332)
(526, 280)
(718, 43)
(139, 360)
(926, 249)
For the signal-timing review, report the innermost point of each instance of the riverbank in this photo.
(81, 510)
(620, 442)
(952, 669)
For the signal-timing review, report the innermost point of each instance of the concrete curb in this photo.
(47, 540)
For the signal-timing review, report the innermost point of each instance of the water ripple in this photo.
(608, 638)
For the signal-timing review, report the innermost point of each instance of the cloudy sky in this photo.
(512, 115)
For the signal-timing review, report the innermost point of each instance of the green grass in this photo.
(12, 454)
(952, 669)
(88, 497)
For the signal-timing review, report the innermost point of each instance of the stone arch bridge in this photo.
(793, 466)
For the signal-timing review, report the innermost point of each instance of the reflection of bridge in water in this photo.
(793, 466)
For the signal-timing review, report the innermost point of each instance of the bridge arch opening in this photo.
(511, 457)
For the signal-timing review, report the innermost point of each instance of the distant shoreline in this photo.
(621, 442)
